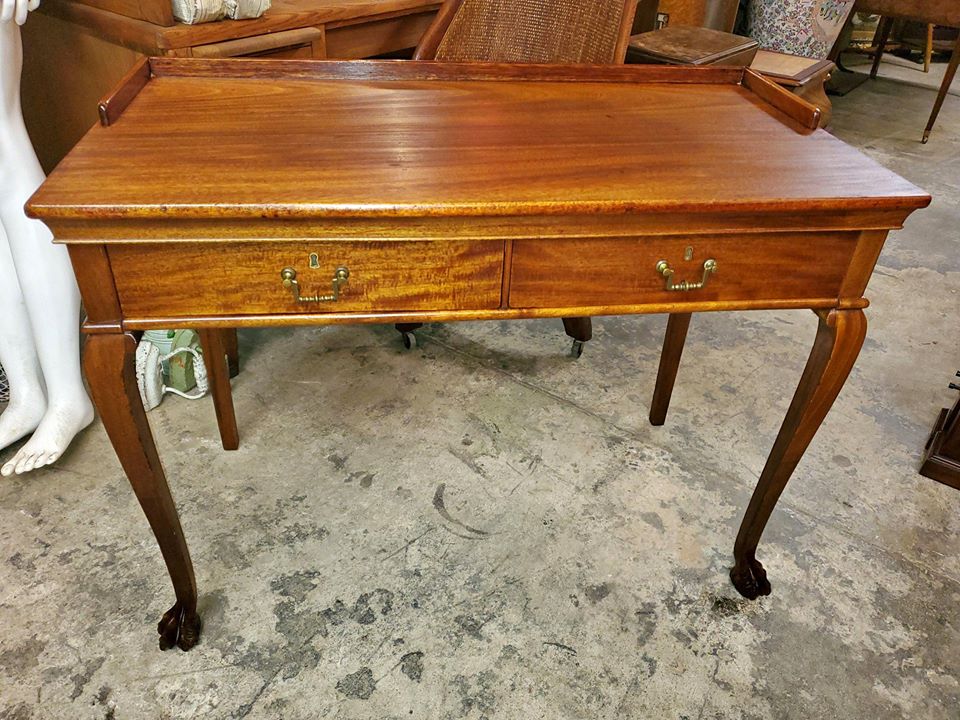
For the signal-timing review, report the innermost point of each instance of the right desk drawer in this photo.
(597, 272)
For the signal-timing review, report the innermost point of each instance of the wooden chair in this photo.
(529, 31)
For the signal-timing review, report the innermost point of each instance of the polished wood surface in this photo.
(543, 31)
(472, 146)
(456, 192)
(455, 275)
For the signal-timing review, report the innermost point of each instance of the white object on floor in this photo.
(150, 374)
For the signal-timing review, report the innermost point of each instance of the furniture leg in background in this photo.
(835, 349)
(883, 34)
(944, 89)
(674, 338)
(109, 365)
(216, 353)
(581, 330)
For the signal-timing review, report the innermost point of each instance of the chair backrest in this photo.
(530, 31)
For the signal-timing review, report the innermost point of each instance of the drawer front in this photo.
(605, 272)
(231, 278)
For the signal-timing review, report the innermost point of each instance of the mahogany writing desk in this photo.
(223, 194)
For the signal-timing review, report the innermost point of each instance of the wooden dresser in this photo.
(75, 51)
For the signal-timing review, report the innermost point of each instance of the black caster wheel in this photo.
(576, 350)
(409, 340)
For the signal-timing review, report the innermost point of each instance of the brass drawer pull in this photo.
(663, 267)
(289, 277)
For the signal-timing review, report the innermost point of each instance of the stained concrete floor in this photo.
(484, 528)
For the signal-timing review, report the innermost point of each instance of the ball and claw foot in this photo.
(576, 350)
(179, 628)
(750, 579)
(409, 340)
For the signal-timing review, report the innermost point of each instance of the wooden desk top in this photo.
(247, 138)
(154, 39)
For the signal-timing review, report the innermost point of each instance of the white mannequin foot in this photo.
(54, 433)
(22, 416)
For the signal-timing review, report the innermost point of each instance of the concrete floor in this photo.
(483, 528)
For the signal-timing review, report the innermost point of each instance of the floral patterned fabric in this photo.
(798, 27)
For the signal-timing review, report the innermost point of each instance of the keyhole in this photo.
(688, 253)
(314, 261)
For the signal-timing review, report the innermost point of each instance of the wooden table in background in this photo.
(74, 53)
(417, 192)
(935, 12)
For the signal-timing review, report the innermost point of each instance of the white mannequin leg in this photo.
(47, 285)
(18, 356)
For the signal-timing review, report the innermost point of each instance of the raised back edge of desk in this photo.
(112, 106)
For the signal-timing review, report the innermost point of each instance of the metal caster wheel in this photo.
(576, 350)
(409, 340)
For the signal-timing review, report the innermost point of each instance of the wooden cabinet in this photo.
(75, 51)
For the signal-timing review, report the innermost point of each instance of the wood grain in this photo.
(350, 148)
(383, 276)
(622, 271)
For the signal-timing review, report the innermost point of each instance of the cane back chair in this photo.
(591, 32)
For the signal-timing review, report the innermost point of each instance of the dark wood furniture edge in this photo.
(783, 100)
(112, 106)
(941, 456)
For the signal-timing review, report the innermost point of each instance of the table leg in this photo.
(232, 347)
(217, 358)
(676, 335)
(581, 330)
(109, 365)
(835, 349)
(944, 88)
(883, 34)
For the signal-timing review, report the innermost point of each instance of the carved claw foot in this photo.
(179, 628)
(750, 579)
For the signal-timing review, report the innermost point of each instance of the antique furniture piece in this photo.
(802, 76)
(713, 14)
(936, 12)
(682, 45)
(77, 50)
(537, 31)
(941, 457)
(417, 192)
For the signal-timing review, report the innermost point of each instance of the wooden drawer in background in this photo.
(229, 278)
(598, 272)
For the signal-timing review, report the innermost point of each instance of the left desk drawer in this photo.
(197, 279)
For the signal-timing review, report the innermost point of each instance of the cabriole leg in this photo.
(109, 364)
(838, 342)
